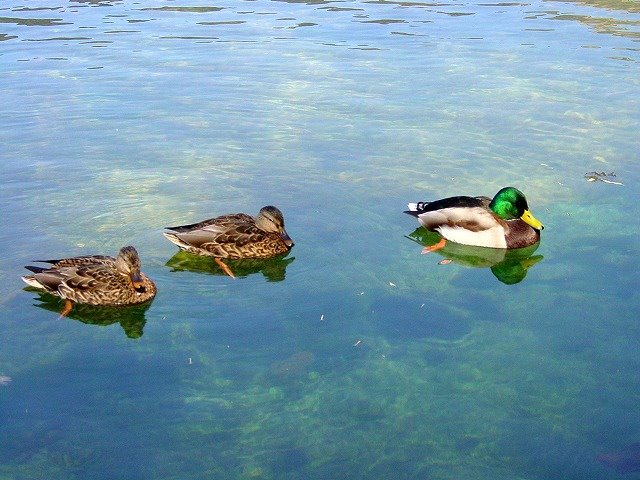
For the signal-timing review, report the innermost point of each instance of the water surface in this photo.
(355, 356)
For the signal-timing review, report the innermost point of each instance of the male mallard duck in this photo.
(235, 236)
(504, 222)
(94, 279)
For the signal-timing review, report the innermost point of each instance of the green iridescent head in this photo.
(510, 203)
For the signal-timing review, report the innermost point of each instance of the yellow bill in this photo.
(531, 220)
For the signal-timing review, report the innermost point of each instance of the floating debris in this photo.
(4, 380)
(602, 177)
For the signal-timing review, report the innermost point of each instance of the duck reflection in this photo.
(131, 318)
(508, 266)
(273, 269)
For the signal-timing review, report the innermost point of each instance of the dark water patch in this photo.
(434, 356)
(22, 439)
(295, 365)
(612, 26)
(504, 4)
(458, 14)
(34, 22)
(57, 39)
(111, 32)
(384, 21)
(535, 448)
(98, 43)
(624, 59)
(625, 460)
(408, 34)
(358, 407)
(479, 305)
(98, 3)
(184, 9)
(467, 443)
(395, 468)
(287, 460)
(402, 318)
(200, 38)
(341, 9)
(35, 9)
(223, 22)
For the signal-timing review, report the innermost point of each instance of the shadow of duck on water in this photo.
(274, 268)
(131, 318)
(508, 266)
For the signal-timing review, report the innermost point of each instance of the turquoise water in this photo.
(355, 356)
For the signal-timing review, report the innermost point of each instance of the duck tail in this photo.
(32, 282)
(413, 209)
(173, 238)
(34, 269)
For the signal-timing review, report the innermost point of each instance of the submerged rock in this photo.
(404, 318)
(626, 460)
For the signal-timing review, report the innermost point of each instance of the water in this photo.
(355, 356)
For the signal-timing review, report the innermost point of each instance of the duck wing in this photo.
(418, 208)
(78, 261)
(224, 221)
(65, 280)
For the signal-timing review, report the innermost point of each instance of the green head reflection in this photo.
(508, 266)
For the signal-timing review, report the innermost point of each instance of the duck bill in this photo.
(137, 281)
(286, 238)
(531, 220)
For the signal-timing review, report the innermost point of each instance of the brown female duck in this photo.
(235, 236)
(94, 279)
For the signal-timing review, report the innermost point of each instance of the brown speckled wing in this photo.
(77, 261)
(222, 221)
(83, 283)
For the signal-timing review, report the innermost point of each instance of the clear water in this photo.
(355, 356)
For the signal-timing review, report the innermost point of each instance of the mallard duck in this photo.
(94, 279)
(234, 236)
(502, 222)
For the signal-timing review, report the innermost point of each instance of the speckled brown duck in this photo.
(235, 236)
(94, 279)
